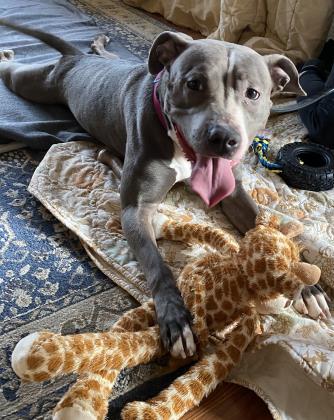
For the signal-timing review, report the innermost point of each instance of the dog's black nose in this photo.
(223, 140)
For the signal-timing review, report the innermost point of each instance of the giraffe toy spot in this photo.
(55, 363)
(196, 389)
(177, 404)
(41, 376)
(234, 353)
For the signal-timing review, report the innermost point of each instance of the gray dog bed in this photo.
(40, 126)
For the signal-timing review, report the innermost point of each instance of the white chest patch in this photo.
(179, 163)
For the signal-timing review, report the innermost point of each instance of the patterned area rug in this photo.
(47, 280)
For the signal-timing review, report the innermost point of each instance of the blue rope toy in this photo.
(260, 147)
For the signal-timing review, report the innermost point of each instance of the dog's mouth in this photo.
(211, 177)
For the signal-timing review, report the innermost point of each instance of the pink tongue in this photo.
(212, 179)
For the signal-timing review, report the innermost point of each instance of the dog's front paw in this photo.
(313, 301)
(175, 324)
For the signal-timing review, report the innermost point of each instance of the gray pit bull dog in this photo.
(210, 99)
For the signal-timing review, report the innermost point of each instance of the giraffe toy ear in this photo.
(308, 274)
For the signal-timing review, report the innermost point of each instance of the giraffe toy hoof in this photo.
(73, 413)
(21, 353)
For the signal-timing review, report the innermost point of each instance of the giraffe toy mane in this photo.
(225, 297)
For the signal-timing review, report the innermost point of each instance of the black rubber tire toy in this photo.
(307, 166)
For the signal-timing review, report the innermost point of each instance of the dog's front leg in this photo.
(172, 316)
(240, 209)
(140, 198)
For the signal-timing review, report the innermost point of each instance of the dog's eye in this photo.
(194, 84)
(252, 94)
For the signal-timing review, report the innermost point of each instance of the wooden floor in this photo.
(228, 401)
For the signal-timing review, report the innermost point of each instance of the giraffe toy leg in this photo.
(42, 356)
(183, 394)
(137, 319)
(191, 283)
(97, 358)
(194, 233)
(88, 398)
(201, 379)
(63, 354)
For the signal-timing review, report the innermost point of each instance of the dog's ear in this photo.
(283, 74)
(165, 48)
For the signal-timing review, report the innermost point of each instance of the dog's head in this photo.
(218, 93)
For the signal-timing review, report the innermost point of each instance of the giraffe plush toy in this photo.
(225, 291)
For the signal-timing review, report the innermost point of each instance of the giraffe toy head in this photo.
(270, 261)
(225, 291)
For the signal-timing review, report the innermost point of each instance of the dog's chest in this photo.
(180, 164)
